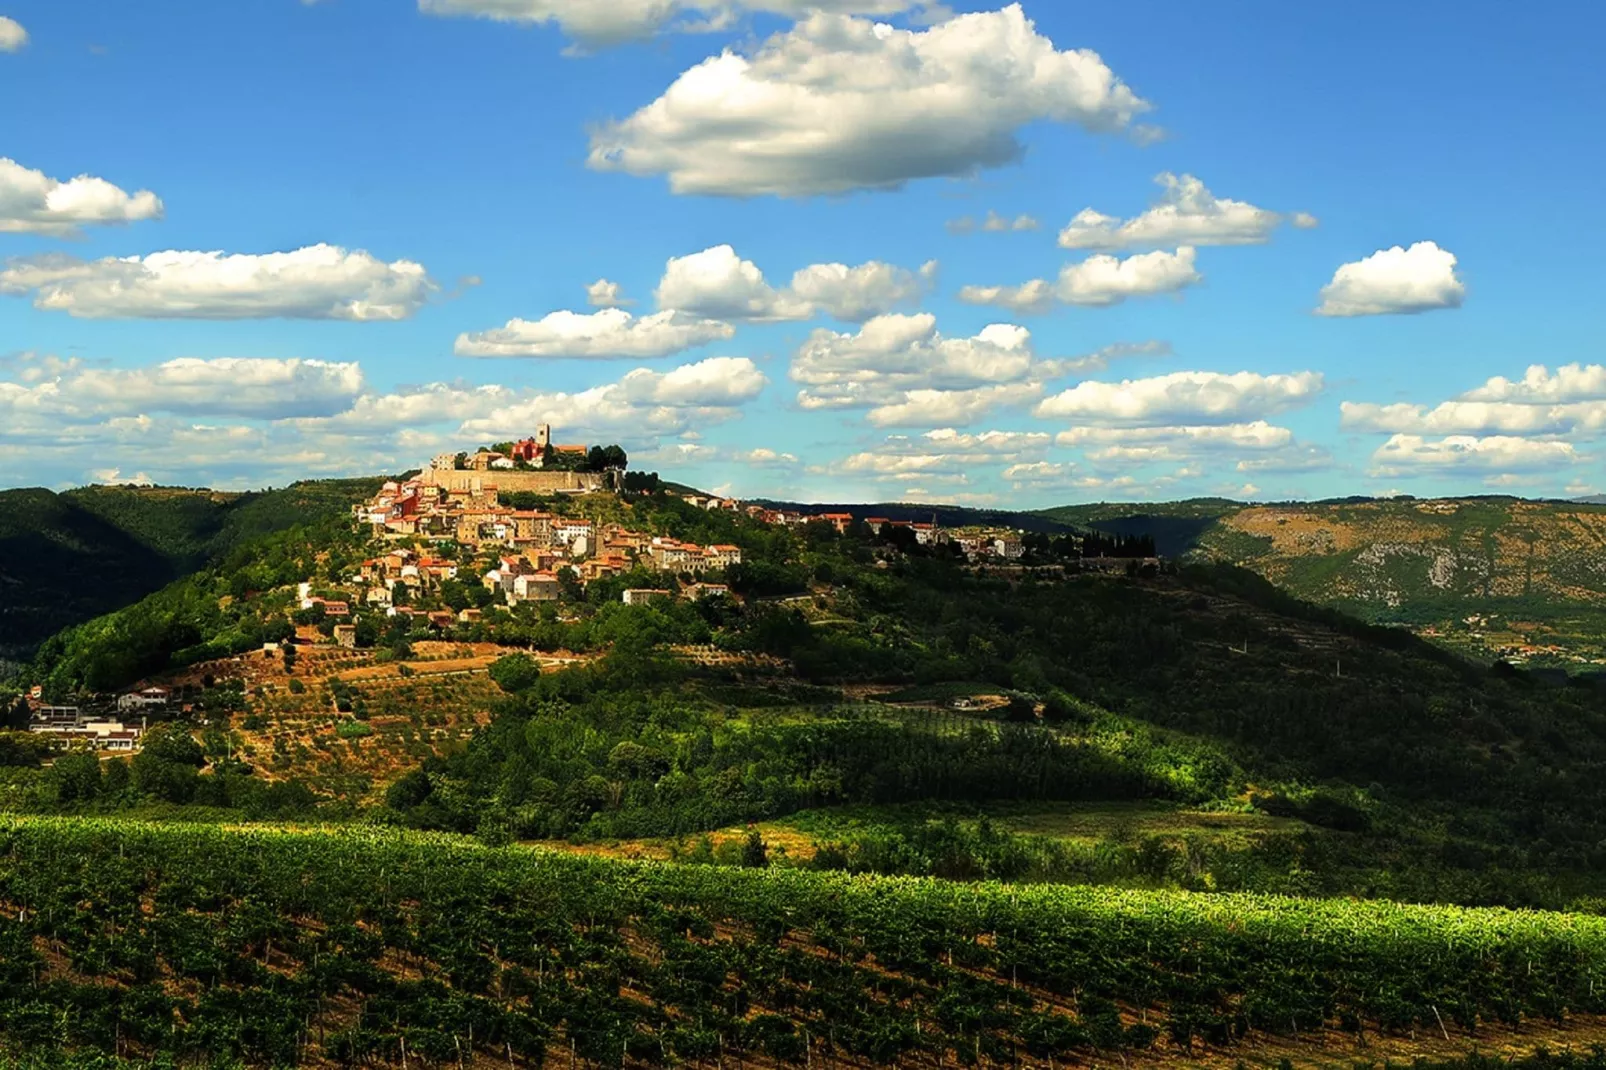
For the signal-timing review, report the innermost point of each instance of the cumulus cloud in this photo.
(922, 408)
(1570, 400)
(12, 36)
(644, 403)
(32, 202)
(944, 455)
(245, 421)
(221, 386)
(1040, 472)
(1570, 382)
(857, 294)
(839, 103)
(604, 293)
(1474, 417)
(1097, 282)
(597, 24)
(316, 282)
(981, 445)
(992, 223)
(611, 333)
(1413, 454)
(719, 283)
(901, 367)
(1253, 435)
(1394, 281)
(1183, 398)
(1186, 213)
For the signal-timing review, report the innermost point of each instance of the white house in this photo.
(151, 697)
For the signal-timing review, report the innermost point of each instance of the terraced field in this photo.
(348, 724)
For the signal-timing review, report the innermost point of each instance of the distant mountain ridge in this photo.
(948, 516)
(1437, 565)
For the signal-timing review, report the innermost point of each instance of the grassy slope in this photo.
(67, 558)
(1539, 567)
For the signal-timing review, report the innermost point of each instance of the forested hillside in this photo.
(1493, 577)
(69, 557)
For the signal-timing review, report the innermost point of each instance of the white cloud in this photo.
(31, 202)
(12, 36)
(1255, 435)
(643, 405)
(1183, 398)
(857, 294)
(997, 224)
(604, 293)
(114, 477)
(593, 24)
(606, 334)
(992, 223)
(601, 23)
(1408, 454)
(232, 422)
(317, 282)
(839, 103)
(922, 408)
(1570, 382)
(1474, 417)
(1395, 280)
(988, 444)
(1039, 472)
(222, 386)
(719, 283)
(1186, 213)
(907, 373)
(1097, 282)
(1304, 221)
(1292, 459)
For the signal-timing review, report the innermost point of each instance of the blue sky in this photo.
(1331, 251)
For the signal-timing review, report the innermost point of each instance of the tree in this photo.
(76, 777)
(168, 764)
(755, 854)
(515, 673)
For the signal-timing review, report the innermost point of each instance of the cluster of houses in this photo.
(65, 726)
(978, 544)
(534, 548)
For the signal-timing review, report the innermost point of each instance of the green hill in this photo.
(67, 558)
(1239, 780)
(1493, 577)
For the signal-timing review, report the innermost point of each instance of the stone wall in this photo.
(514, 482)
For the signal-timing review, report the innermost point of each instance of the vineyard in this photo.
(306, 946)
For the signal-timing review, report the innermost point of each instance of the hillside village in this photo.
(478, 547)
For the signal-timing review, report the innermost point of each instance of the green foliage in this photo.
(199, 618)
(67, 558)
(515, 673)
(170, 930)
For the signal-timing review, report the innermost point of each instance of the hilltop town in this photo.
(478, 548)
